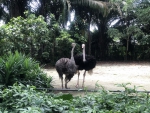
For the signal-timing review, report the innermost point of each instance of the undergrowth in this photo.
(26, 99)
(22, 69)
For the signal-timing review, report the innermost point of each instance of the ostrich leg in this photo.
(83, 78)
(78, 80)
(66, 82)
(62, 82)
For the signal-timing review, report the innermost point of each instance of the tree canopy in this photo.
(120, 28)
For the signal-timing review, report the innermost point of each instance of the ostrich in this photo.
(66, 66)
(84, 62)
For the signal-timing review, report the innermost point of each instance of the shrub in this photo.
(25, 99)
(20, 68)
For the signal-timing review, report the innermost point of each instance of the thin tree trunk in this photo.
(127, 48)
(53, 52)
(31, 48)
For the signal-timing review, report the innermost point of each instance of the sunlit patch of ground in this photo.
(107, 74)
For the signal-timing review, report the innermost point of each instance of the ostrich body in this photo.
(66, 66)
(84, 62)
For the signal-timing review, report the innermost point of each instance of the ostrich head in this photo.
(73, 44)
(83, 46)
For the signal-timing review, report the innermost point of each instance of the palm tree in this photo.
(98, 12)
(91, 11)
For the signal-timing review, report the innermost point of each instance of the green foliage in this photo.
(142, 13)
(28, 35)
(143, 22)
(19, 68)
(77, 30)
(115, 34)
(5, 44)
(25, 99)
(63, 43)
(37, 38)
(37, 35)
(64, 96)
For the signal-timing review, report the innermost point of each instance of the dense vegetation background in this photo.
(111, 30)
(37, 32)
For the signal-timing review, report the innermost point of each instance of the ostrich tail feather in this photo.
(90, 72)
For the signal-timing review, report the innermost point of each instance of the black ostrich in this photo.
(84, 62)
(66, 66)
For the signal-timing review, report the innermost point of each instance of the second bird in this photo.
(66, 66)
(84, 62)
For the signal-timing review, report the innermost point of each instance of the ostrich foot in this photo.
(77, 86)
(66, 87)
(82, 85)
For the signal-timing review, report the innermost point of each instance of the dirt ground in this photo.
(107, 74)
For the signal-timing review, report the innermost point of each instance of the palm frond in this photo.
(118, 9)
(101, 6)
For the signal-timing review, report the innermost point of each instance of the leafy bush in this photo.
(19, 68)
(45, 42)
(63, 43)
(25, 99)
(30, 35)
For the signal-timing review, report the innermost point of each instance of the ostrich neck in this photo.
(84, 55)
(72, 58)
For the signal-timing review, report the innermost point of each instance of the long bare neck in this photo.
(72, 57)
(84, 54)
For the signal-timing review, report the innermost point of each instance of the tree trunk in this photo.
(17, 8)
(102, 43)
(127, 48)
(53, 52)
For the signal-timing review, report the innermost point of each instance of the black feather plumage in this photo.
(89, 64)
(84, 62)
(66, 66)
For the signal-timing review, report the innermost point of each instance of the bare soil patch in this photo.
(107, 74)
